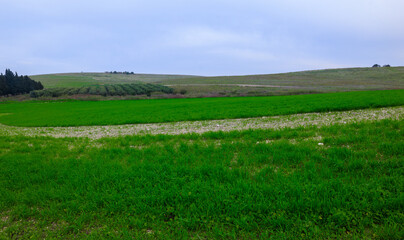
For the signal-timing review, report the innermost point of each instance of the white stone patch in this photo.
(175, 128)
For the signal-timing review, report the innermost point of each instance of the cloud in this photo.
(374, 18)
(202, 36)
(244, 54)
(199, 37)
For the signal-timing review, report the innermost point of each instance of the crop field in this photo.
(80, 113)
(86, 79)
(315, 182)
(226, 125)
(321, 166)
(305, 82)
(104, 90)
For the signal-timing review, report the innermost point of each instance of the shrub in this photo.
(111, 90)
(128, 90)
(103, 91)
(83, 90)
(93, 90)
(119, 90)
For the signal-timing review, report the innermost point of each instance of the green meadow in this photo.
(79, 113)
(334, 182)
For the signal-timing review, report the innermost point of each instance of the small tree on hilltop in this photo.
(376, 66)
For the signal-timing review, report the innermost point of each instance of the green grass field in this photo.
(278, 184)
(324, 176)
(77, 113)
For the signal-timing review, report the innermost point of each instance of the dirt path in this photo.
(277, 122)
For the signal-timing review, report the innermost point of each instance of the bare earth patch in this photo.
(277, 122)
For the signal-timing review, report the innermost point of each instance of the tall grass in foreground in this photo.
(80, 113)
(248, 185)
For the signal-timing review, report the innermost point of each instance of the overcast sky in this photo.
(201, 37)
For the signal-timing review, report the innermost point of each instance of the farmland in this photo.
(333, 181)
(282, 167)
(79, 113)
(202, 120)
(104, 90)
(86, 79)
(319, 81)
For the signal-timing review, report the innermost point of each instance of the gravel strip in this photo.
(277, 122)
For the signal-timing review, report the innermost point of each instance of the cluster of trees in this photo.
(105, 90)
(377, 65)
(115, 72)
(11, 83)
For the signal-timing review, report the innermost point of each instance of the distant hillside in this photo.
(85, 79)
(349, 77)
(318, 81)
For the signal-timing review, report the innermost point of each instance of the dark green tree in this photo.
(14, 84)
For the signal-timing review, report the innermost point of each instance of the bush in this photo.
(36, 93)
(103, 91)
(93, 90)
(73, 91)
(119, 90)
(111, 90)
(83, 90)
(128, 90)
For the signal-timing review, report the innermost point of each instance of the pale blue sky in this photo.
(209, 37)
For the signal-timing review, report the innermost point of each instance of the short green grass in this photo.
(77, 113)
(258, 184)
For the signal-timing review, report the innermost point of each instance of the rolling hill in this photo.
(317, 81)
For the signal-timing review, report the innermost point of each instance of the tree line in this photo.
(126, 72)
(11, 83)
(377, 65)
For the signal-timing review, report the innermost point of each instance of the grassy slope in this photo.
(384, 78)
(170, 110)
(238, 185)
(318, 81)
(321, 81)
(84, 79)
